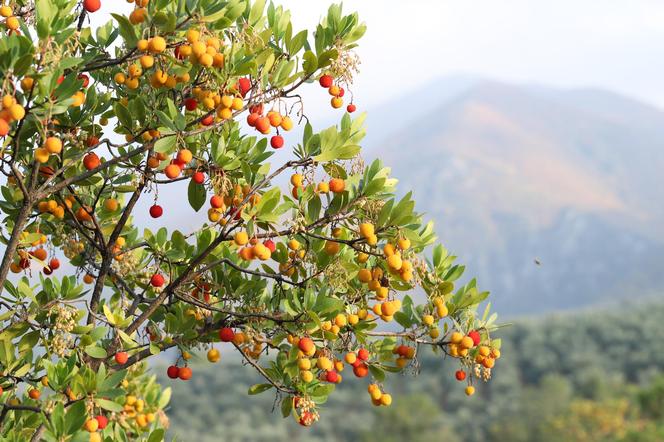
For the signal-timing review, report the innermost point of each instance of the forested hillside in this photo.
(586, 376)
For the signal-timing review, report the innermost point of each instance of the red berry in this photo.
(54, 264)
(121, 357)
(351, 108)
(198, 177)
(361, 370)
(92, 5)
(277, 142)
(190, 104)
(226, 334)
(156, 211)
(475, 336)
(341, 92)
(208, 120)
(332, 376)
(460, 375)
(244, 85)
(252, 118)
(102, 421)
(216, 201)
(173, 372)
(256, 109)
(85, 78)
(326, 81)
(270, 245)
(184, 373)
(157, 280)
(363, 354)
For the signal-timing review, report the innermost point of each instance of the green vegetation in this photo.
(581, 377)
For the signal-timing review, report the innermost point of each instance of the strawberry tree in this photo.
(303, 259)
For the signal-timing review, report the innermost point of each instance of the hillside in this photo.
(551, 367)
(518, 174)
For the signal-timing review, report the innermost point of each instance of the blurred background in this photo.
(532, 132)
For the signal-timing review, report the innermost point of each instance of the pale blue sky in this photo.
(614, 44)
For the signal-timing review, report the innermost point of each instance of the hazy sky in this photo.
(615, 44)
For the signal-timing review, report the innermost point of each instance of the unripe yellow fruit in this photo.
(386, 399)
(332, 247)
(91, 425)
(366, 230)
(470, 390)
(304, 364)
(142, 45)
(53, 145)
(456, 337)
(41, 155)
(394, 261)
(241, 238)
(213, 355)
(428, 320)
(157, 44)
(466, 342)
(324, 363)
(364, 275)
(306, 376)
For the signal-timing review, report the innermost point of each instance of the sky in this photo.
(612, 44)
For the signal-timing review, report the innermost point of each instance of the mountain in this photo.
(551, 197)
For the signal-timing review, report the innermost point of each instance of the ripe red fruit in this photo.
(216, 201)
(85, 78)
(157, 280)
(270, 245)
(184, 373)
(326, 81)
(121, 357)
(363, 354)
(208, 120)
(156, 211)
(341, 92)
(47, 271)
(332, 376)
(173, 372)
(244, 85)
(92, 5)
(54, 264)
(351, 108)
(24, 263)
(475, 336)
(190, 104)
(306, 345)
(277, 142)
(102, 421)
(361, 370)
(256, 109)
(92, 141)
(198, 177)
(460, 375)
(306, 418)
(252, 118)
(4, 127)
(226, 334)
(91, 161)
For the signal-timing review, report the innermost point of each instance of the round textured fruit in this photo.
(91, 425)
(91, 161)
(54, 264)
(226, 334)
(198, 177)
(244, 85)
(325, 81)
(102, 421)
(363, 354)
(4, 127)
(217, 201)
(172, 372)
(184, 373)
(92, 5)
(190, 104)
(156, 211)
(53, 145)
(470, 390)
(337, 185)
(351, 108)
(172, 171)
(213, 355)
(360, 370)
(306, 345)
(277, 142)
(475, 336)
(460, 375)
(157, 280)
(121, 357)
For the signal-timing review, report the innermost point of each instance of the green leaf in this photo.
(96, 352)
(259, 388)
(157, 435)
(165, 145)
(197, 195)
(108, 405)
